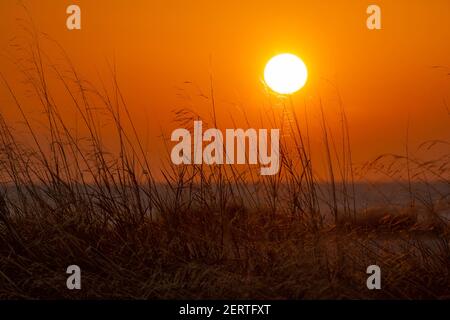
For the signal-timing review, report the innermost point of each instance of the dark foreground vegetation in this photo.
(200, 232)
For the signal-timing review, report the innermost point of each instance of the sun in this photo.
(286, 73)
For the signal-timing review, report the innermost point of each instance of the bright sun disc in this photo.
(285, 73)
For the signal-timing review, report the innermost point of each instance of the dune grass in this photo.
(203, 231)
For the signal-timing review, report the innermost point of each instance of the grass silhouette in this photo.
(204, 231)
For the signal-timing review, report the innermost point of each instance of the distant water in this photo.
(367, 195)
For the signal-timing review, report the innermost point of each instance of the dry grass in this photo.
(205, 232)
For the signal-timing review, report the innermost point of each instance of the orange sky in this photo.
(382, 76)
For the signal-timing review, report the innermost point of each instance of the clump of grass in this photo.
(203, 232)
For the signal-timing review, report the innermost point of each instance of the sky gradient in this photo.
(165, 53)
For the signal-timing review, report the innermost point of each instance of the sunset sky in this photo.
(382, 76)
